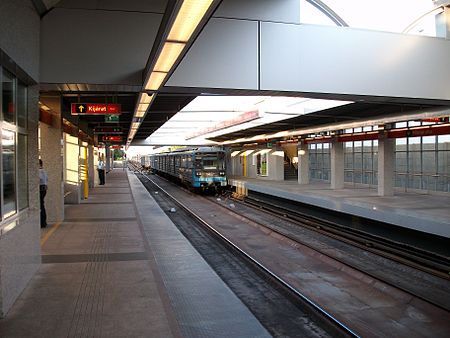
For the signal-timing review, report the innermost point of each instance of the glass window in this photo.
(8, 95)
(9, 173)
(444, 142)
(415, 165)
(429, 162)
(428, 142)
(413, 123)
(21, 105)
(22, 171)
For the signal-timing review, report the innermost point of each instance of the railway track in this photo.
(437, 310)
(321, 317)
(419, 290)
(415, 257)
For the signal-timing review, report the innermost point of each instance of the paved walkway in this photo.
(98, 277)
(118, 267)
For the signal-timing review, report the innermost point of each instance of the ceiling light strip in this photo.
(188, 18)
(183, 27)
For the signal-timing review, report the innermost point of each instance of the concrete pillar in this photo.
(51, 155)
(386, 166)
(72, 186)
(275, 165)
(337, 165)
(303, 163)
(91, 167)
(108, 158)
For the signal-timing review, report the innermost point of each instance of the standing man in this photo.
(101, 170)
(43, 182)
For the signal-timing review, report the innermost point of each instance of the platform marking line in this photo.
(50, 232)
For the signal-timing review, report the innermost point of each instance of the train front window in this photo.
(210, 164)
(213, 162)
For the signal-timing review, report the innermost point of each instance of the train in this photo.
(201, 168)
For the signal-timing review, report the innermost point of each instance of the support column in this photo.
(386, 165)
(72, 186)
(108, 158)
(51, 155)
(275, 165)
(337, 165)
(303, 163)
(91, 167)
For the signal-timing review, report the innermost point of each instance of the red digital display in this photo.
(112, 138)
(95, 109)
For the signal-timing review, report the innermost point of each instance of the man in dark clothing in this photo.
(43, 182)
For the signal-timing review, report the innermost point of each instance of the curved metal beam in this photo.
(332, 15)
(415, 22)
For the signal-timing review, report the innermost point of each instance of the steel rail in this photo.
(329, 317)
(296, 240)
(413, 257)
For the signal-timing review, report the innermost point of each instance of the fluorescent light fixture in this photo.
(143, 107)
(155, 80)
(188, 18)
(234, 153)
(135, 125)
(141, 110)
(145, 98)
(278, 153)
(247, 152)
(169, 54)
(263, 151)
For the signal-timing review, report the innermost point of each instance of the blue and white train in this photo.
(200, 168)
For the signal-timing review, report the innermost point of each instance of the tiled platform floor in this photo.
(100, 277)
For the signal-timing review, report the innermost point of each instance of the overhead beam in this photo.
(319, 61)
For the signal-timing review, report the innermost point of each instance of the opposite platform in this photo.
(423, 212)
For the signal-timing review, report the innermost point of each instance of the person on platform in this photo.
(43, 182)
(101, 170)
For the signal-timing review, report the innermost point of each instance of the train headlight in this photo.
(198, 174)
(222, 173)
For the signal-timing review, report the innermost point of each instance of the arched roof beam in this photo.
(415, 22)
(332, 15)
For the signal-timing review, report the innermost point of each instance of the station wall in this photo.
(19, 226)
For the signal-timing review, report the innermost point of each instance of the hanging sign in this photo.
(112, 138)
(95, 109)
(111, 118)
(108, 130)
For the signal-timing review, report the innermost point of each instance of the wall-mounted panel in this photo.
(287, 11)
(19, 34)
(157, 6)
(97, 47)
(319, 59)
(225, 55)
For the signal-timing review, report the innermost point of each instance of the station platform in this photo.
(118, 267)
(428, 213)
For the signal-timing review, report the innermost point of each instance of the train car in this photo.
(199, 168)
(145, 161)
